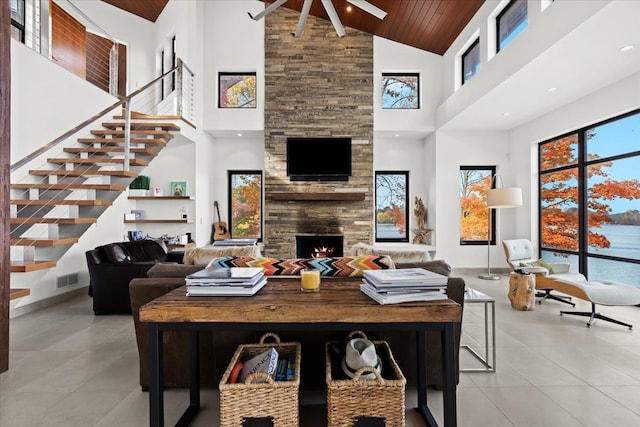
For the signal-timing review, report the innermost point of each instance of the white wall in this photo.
(392, 57)
(455, 149)
(232, 42)
(44, 108)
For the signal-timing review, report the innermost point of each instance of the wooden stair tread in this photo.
(162, 133)
(143, 125)
(25, 241)
(72, 186)
(65, 221)
(114, 141)
(66, 202)
(107, 150)
(83, 172)
(15, 293)
(97, 160)
(27, 266)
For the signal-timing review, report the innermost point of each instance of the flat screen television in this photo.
(319, 159)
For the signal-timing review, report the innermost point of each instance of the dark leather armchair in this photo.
(111, 268)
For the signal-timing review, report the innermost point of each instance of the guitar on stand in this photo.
(220, 230)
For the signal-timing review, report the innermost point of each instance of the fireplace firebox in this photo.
(319, 246)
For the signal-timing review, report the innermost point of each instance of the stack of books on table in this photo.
(404, 285)
(234, 281)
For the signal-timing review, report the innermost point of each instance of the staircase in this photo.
(55, 205)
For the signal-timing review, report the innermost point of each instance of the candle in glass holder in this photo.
(310, 280)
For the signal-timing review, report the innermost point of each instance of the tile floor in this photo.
(69, 368)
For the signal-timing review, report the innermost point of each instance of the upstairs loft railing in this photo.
(64, 178)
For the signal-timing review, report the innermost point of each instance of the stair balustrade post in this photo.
(127, 134)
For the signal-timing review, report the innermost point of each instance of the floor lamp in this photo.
(498, 198)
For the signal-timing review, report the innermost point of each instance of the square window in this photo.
(400, 91)
(237, 90)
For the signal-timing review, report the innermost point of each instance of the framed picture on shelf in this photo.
(139, 214)
(178, 188)
(157, 192)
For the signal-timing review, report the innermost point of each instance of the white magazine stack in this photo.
(234, 281)
(404, 285)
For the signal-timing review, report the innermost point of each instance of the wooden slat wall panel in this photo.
(5, 147)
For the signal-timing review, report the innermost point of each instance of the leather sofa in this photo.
(166, 277)
(111, 268)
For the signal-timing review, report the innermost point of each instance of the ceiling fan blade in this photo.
(273, 6)
(333, 16)
(303, 17)
(368, 7)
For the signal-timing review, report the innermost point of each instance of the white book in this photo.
(406, 286)
(398, 297)
(404, 275)
(228, 291)
(230, 275)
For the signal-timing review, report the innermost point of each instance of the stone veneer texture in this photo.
(318, 85)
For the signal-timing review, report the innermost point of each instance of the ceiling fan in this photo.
(328, 7)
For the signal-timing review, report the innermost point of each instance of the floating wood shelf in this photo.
(319, 197)
(159, 221)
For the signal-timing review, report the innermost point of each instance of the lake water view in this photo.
(625, 242)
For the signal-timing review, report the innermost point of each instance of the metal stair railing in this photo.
(113, 169)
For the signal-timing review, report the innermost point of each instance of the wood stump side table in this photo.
(522, 291)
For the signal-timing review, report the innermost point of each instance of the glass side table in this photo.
(472, 296)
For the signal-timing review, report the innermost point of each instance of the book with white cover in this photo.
(233, 275)
(398, 297)
(404, 275)
(234, 290)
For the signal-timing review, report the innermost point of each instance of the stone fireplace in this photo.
(319, 246)
(317, 85)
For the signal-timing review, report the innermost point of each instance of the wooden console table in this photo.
(280, 306)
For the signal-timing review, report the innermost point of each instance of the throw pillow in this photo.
(538, 263)
(202, 255)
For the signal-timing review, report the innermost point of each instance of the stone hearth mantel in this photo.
(318, 197)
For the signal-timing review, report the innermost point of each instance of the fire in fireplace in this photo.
(319, 246)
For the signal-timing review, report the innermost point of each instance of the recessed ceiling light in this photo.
(626, 48)
(506, 114)
(552, 89)
(349, 8)
(396, 135)
(239, 134)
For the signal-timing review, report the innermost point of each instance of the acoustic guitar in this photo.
(220, 230)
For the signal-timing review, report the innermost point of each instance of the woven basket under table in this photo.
(277, 399)
(355, 397)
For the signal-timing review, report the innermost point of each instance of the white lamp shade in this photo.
(504, 197)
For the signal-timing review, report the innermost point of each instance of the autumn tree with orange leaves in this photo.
(391, 203)
(474, 184)
(559, 196)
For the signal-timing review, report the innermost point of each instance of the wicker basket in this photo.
(276, 399)
(350, 398)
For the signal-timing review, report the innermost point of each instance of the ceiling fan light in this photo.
(369, 8)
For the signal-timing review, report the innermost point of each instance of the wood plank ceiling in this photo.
(430, 25)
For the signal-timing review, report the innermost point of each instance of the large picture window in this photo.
(475, 181)
(237, 90)
(590, 200)
(400, 90)
(245, 204)
(510, 22)
(392, 210)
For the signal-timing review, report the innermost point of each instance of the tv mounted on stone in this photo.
(319, 159)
